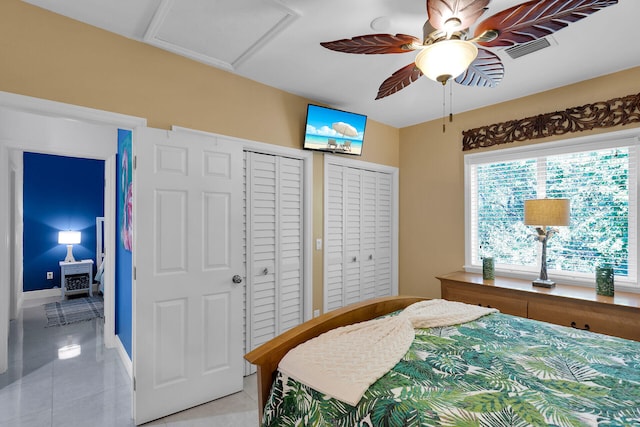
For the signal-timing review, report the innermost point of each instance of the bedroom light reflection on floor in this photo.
(70, 350)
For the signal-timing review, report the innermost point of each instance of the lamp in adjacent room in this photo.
(69, 238)
(543, 213)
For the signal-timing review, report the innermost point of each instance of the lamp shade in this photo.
(69, 237)
(446, 59)
(545, 212)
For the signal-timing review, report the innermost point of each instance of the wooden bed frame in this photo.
(268, 355)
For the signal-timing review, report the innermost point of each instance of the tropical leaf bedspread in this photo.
(499, 370)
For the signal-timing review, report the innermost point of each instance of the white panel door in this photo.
(187, 337)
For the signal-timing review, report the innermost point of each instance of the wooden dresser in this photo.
(574, 306)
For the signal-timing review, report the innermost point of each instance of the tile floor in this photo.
(92, 389)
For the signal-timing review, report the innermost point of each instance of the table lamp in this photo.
(69, 238)
(543, 213)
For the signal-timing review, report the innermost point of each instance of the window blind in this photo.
(600, 180)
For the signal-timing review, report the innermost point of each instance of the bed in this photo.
(495, 370)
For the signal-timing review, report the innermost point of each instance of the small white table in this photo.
(76, 277)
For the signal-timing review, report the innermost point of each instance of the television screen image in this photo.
(334, 131)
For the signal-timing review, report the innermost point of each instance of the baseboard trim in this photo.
(124, 357)
(42, 294)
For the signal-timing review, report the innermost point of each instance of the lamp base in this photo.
(544, 283)
(69, 257)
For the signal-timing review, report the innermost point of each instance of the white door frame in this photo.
(61, 111)
(330, 159)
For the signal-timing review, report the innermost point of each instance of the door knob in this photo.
(237, 279)
(265, 271)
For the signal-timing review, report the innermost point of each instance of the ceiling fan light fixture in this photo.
(446, 59)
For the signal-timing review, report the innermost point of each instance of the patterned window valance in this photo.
(605, 114)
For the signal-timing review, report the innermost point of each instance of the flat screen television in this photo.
(335, 131)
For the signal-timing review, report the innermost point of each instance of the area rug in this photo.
(74, 310)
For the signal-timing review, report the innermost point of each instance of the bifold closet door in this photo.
(274, 221)
(384, 243)
(353, 235)
(334, 246)
(358, 236)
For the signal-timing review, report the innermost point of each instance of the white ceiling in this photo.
(277, 42)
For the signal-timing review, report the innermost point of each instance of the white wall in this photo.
(4, 258)
(16, 224)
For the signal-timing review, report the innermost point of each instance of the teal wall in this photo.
(123, 297)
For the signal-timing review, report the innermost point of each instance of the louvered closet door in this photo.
(352, 291)
(290, 259)
(358, 239)
(275, 245)
(334, 237)
(368, 219)
(383, 236)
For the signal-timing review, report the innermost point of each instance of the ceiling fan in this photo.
(448, 52)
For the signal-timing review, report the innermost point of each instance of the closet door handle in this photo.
(265, 271)
(355, 259)
(236, 279)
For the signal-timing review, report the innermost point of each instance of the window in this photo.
(598, 176)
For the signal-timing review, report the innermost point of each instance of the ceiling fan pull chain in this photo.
(451, 103)
(444, 108)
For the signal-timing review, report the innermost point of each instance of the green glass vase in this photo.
(604, 281)
(488, 269)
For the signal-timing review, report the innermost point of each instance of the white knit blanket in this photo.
(344, 362)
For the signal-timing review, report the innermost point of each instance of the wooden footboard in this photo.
(267, 356)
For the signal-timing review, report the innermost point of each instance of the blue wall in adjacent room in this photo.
(60, 193)
(123, 255)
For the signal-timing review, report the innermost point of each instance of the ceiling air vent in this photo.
(527, 48)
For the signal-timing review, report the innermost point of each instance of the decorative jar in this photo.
(604, 281)
(488, 268)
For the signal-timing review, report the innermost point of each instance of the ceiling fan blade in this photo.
(375, 43)
(486, 70)
(467, 11)
(536, 19)
(399, 80)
